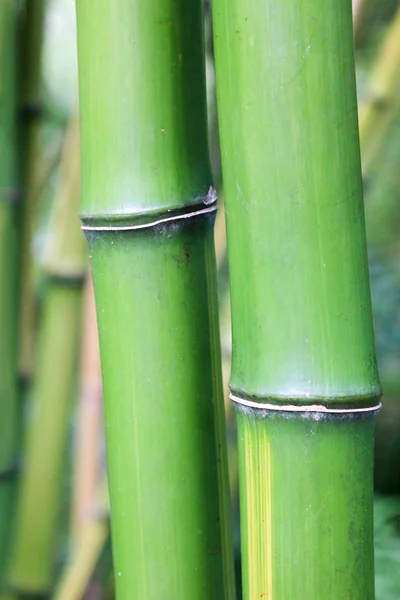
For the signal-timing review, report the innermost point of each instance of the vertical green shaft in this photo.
(148, 213)
(31, 569)
(303, 349)
(31, 19)
(8, 269)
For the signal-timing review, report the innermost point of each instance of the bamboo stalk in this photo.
(303, 343)
(77, 577)
(88, 420)
(148, 211)
(95, 532)
(382, 100)
(8, 268)
(377, 110)
(32, 557)
(31, 38)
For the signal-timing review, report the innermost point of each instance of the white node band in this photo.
(320, 408)
(201, 211)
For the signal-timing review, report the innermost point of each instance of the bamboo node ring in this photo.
(319, 408)
(161, 221)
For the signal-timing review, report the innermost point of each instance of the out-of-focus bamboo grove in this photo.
(54, 510)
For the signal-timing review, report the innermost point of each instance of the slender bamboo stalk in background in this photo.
(148, 211)
(8, 270)
(32, 557)
(95, 531)
(88, 420)
(382, 101)
(31, 37)
(382, 202)
(303, 348)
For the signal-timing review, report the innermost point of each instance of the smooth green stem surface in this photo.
(308, 547)
(294, 209)
(147, 63)
(145, 159)
(301, 311)
(162, 411)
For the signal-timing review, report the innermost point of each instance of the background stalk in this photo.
(8, 270)
(88, 421)
(31, 39)
(145, 160)
(94, 534)
(32, 558)
(382, 100)
(301, 313)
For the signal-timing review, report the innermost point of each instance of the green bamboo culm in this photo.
(8, 270)
(32, 559)
(303, 344)
(148, 210)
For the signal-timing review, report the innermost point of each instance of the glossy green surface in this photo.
(307, 486)
(162, 391)
(301, 311)
(142, 100)
(295, 221)
(32, 558)
(144, 154)
(8, 268)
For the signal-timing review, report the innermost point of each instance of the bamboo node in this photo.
(306, 408)
(189, 215)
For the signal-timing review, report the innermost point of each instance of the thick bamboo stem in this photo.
(32, 557)
(304, 379)
(148, 209)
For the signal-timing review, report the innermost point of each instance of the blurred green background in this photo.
(86, 564)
